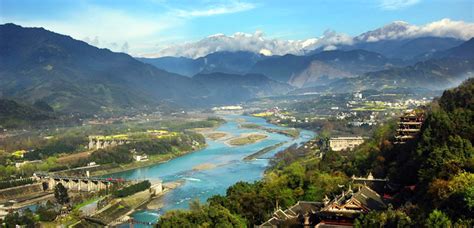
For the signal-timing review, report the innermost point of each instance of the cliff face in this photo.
(318, 73)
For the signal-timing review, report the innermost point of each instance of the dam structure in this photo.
(79, 183)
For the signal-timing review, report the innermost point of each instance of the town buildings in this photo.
(344, 143)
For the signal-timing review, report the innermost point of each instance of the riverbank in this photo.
(263, 151)
(152, 160)
(212, 170)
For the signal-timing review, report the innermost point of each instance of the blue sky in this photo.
(148, 25)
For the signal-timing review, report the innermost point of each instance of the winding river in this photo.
(225, 166)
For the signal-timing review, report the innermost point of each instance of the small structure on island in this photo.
(343, 143)
(409, 126)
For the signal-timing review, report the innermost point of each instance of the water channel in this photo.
(226, 162)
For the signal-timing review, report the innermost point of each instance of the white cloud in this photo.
(396, 4)
(448, 28)
(266, 52)
(256, 42)
(403, 30)
(125, 47)
(109, 26)
(233, 7)
(92, 23)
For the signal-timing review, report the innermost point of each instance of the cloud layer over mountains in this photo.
(258, 43)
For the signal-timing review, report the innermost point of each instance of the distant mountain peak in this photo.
(400, 30)
(394, 30)
(329, 40)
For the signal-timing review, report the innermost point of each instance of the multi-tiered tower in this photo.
(409, 126)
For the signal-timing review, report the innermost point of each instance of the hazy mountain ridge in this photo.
(234, 88)
(336, 64)
(13, 114)
(238, 62)
(73, 76)
(450, 68)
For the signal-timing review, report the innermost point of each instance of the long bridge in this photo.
(78, 183)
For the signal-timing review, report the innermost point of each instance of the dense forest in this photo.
(434, 174)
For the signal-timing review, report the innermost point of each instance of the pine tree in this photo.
(61, 195)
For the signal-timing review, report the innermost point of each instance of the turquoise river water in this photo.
(228, 167)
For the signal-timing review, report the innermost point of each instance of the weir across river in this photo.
(78, 183)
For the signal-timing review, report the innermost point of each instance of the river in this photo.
(227, 168)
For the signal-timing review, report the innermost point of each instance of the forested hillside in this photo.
(13, 114)
(432, 175)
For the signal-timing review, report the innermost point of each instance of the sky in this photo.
(148, 26)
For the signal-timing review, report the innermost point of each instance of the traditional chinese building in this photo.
(349, 205)
(338, 212)
(409, 126)
(303, 213)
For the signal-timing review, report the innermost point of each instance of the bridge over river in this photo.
(79, 183)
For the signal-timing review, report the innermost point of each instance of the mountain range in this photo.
(425, 62)
(40, 66)
(72, 76)
(238, 62)
(445, 69)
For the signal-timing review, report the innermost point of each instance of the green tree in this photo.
(25, 219)
(60, 193)
(389, 218)
(438, 219)
(201, 216)
(47, 212)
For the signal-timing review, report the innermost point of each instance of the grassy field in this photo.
(71, 158)
(247, 139)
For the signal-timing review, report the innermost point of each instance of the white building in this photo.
(142, 157)
(342, 143)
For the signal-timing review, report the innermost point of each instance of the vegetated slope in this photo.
(449, 69)
(439, 162)
(408, 49)
(71, 75)
(320, 66)
(431, 178)
(13, 114)
(238, 62)
(232, 88)
(179, 65)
